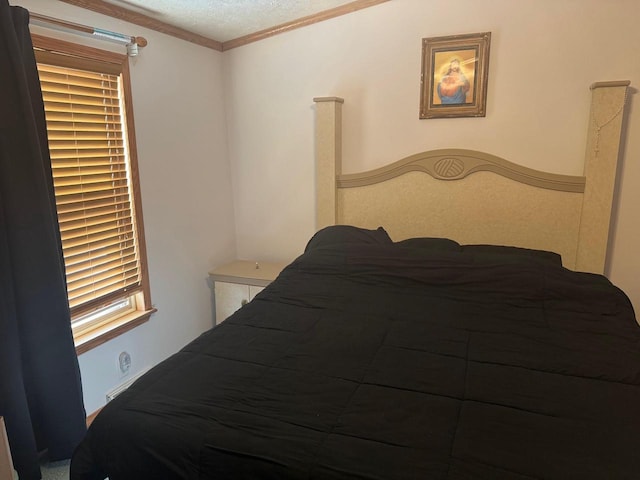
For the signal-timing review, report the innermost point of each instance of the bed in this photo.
(387, 351)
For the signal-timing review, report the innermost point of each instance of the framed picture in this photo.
(454, 76)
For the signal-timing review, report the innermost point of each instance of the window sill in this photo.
(89, 340)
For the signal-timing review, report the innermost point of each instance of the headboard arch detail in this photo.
(456, 163)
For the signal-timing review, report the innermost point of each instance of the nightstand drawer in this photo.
(231, 296)
(236, 284)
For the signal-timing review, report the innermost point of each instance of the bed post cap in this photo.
(328, 99)
(618, 83)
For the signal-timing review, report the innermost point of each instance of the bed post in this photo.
(328, 158)
(608, 101)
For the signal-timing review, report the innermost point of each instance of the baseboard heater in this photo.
(111, 394)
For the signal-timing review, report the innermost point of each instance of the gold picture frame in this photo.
(455, 70)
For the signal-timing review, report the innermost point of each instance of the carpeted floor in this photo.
(55, 470)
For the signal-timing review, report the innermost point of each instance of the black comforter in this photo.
(373, 360)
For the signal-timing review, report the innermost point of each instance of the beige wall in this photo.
(544, 56)
(186, 191)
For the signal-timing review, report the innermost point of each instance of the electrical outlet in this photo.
(124, 363)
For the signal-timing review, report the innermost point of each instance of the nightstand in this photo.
(236, 283)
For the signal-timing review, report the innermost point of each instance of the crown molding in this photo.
(115, 11)
(120, 13)
(301, 22)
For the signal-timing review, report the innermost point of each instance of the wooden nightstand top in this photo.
(248, 272)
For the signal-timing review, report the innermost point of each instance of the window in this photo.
(93, 159)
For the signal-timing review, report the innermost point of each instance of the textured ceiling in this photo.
(225, 20)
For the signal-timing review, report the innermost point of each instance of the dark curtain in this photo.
(40, 389)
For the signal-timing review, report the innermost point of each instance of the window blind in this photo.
(87, 143)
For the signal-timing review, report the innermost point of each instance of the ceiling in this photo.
(225, 20)
(223, 24)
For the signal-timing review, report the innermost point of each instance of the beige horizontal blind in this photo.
(87, 143)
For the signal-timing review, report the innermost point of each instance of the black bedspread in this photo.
(373, 360)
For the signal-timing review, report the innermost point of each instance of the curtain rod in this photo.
(132, 43)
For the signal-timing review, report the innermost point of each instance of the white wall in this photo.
(544, 56)
(186, 191)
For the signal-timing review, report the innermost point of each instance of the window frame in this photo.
(88, 339)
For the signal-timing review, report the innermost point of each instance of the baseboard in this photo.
(6, 465)
(91, 417)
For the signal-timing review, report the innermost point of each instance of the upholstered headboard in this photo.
(474, 197)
